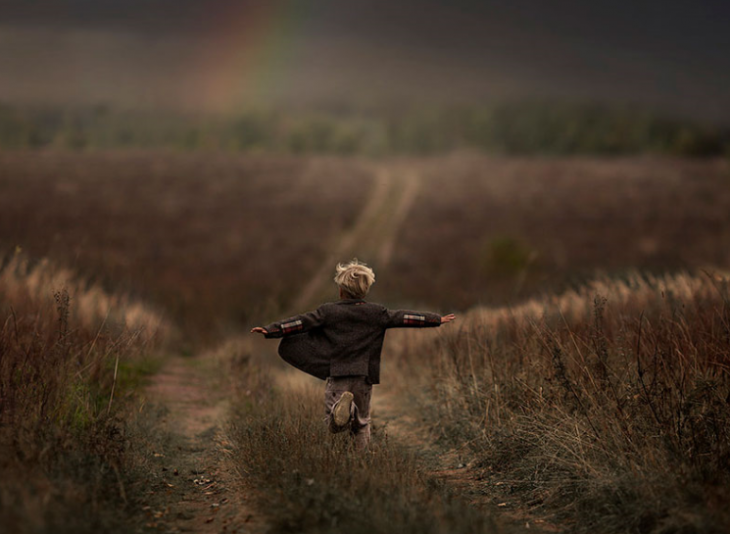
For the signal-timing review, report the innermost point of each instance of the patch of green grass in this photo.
(506, 256)
(133, 373)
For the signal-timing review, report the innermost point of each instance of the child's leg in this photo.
(333, 392)
(359, 421)
(362, 390)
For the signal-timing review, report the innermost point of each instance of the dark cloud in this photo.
(672, 54)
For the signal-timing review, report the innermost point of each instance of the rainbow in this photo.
(246, 53)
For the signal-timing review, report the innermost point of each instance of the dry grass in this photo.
(220, 240)
(69, 355)
(606, 408)
(499, 230)
(588, 411)
(93, 308)
(214, 239)
(307, 480)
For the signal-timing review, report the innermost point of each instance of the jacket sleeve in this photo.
(411, 319)
(296, 325)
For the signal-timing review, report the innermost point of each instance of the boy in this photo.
(341, 343)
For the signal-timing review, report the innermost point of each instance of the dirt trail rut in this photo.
(190, 490)
(372, 237)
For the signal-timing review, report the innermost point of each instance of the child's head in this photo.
(354, 279)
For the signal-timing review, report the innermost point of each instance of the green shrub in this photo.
(506, 256)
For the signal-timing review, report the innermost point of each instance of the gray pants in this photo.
(361, 389)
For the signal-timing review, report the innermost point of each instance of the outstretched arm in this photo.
(414, 319)
(291, 326)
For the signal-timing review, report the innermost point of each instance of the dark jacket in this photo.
(342, 338)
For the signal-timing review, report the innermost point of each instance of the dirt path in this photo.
(374, 236)
(190, 486)
(192, 490)
(410, 185)
(371, 238)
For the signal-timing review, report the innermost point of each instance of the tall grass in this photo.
(607, 408)
(307, 480)
(69, 353)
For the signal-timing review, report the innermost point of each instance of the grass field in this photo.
(508, 229)
(604, 409)
(209, 238)
(584, 386)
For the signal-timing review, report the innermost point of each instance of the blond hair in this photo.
(354, 278)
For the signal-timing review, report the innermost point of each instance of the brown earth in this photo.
(191, 474)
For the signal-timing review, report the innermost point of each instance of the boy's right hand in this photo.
(258, 330)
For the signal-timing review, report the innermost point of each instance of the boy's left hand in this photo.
(448, 318)
(258, 330)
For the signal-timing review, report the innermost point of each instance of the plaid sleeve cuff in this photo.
(292, 327)
(410, 319)
(284, 328)
(422, 320)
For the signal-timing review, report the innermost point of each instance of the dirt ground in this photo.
(190, 490)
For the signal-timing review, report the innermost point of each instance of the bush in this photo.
(506, 256)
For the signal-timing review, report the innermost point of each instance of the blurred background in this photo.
(367, 77)
(211, 156)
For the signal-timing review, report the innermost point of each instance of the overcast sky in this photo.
(196, 54)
